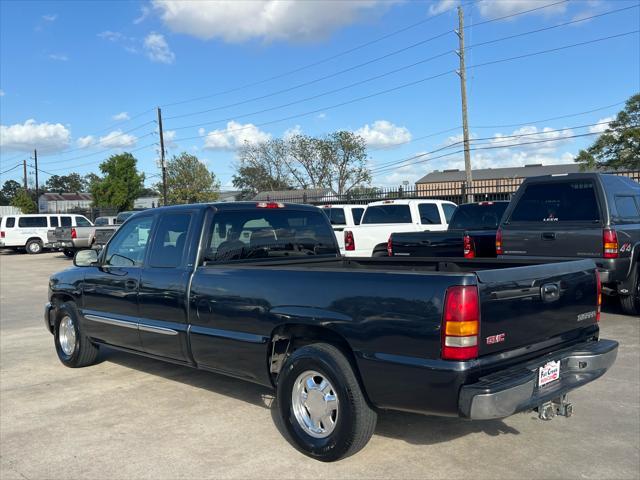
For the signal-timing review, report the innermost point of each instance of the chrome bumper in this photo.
(513, 390)
(48, 316)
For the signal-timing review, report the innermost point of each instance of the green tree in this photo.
(189, 181)
(24, 202)
(345, 154)
(9, 190)
(262, 167)
(66, 183)
(618, 147)
(121, 183)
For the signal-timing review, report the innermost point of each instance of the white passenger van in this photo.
(29, 232)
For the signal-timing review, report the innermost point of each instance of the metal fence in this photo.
(481, 190)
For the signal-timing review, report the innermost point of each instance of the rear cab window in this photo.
(547, 203)
(475, 216)
(386, 214)
(268, 233)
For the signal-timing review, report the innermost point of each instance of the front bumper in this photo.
(513, 390)
(49, 311)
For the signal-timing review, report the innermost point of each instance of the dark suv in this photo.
(582, 215)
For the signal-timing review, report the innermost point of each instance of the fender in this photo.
(627, 284)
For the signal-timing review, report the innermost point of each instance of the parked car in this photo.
(72, 239)
(342, 217)
(336, 337)
(30, 232)
(105, 221)
(102, 234)
(471, 233)
(381, 219)
(582, 215)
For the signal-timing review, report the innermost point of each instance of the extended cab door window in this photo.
(128, 247)
(627, 208)
(357, 215)
(82, 222)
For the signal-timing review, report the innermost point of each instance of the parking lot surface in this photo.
(133, 417)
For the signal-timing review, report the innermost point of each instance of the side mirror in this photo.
(85, 258)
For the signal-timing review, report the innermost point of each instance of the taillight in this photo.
(349, 243)
(599, 291)
(390, 246)
(469, 247)
(499, 250)
(1, 234)
(270, 205)
(610, 243)
(460, 323)
(74, 234)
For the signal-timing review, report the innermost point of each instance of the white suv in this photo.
(30, 231)
(381, 219)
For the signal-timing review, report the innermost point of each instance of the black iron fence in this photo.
(457, 192)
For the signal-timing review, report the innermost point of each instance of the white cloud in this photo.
(384, 134)
(604, 125)
(500, 8)
(321, 116)
(120, 116)
(50, 17)
(233, 137)
(158, 49)
(144, 13)
(1, 93)
(269, 20)
(85, 142)
(130, 44)
(117, 139)
(442, 6)
(292, 132)
(46, 137)
(169, 137)
(59, 57)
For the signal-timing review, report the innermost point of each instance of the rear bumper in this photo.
(506, 392)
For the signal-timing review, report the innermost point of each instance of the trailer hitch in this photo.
(557, 406)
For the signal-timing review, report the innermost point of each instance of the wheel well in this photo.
(58, 299)
(33, 238)
(289, 337)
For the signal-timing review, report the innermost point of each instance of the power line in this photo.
(98, 161)
(11, 169)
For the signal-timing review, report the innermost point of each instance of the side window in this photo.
(170, 240)
(429, 214)
(11, 222)
(448, 208)
(336, 215)
(129, 245)
(626, 207)
(82, 222)
(357, 215)
(32, 222)
(65, 221)
(53, 221)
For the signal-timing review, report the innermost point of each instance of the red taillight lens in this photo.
(1, 234)
(390, 246)
(499, 242)
(469, 247)
(599, 300)
(74, 234)
(610, 243)
(460, 323)
(270, 205)
(349, 243)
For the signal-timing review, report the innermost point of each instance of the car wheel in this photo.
(631, 303)
(34, 247)
(73, 348)
(68, 253)
(322, 405)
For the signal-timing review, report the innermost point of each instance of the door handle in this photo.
(548, 236)
(130, 284)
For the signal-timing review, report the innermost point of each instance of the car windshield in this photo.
(266, 233)
(478, 216)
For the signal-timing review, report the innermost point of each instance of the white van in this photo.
(341, 217)
(30, 231)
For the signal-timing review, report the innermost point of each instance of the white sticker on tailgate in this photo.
(549, 373)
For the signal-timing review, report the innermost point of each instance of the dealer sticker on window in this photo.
(549, 373)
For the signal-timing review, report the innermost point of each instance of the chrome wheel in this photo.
(315, 404)
(34, 247)
(67, 335)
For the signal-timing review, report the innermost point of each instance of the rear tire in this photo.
(74, 349)
(631, 303)
(34, 247)
(351, 421)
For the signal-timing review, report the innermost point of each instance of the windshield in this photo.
(474, 216)
(268, 233)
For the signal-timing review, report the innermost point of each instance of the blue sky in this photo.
(81, 80)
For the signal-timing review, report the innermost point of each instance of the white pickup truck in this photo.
(343, 217)
(381, 219)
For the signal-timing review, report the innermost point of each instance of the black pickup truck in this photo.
(260, 292)
(471, 233)
(581, 215)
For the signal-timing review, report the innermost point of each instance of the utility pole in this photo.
(164, 167)
(463, 93)
(24, 172)
(35, 160)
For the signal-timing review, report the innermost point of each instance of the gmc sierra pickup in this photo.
(259, 291)
(471, 233)
(580, 215)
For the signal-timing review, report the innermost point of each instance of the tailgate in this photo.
(521, 306)
(103, 235)
(63, 234)
(552, 240)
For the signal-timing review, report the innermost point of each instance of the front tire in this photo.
(34, 247)
(631, 303)
(322, 405)
(74, 349)
(68, 253)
